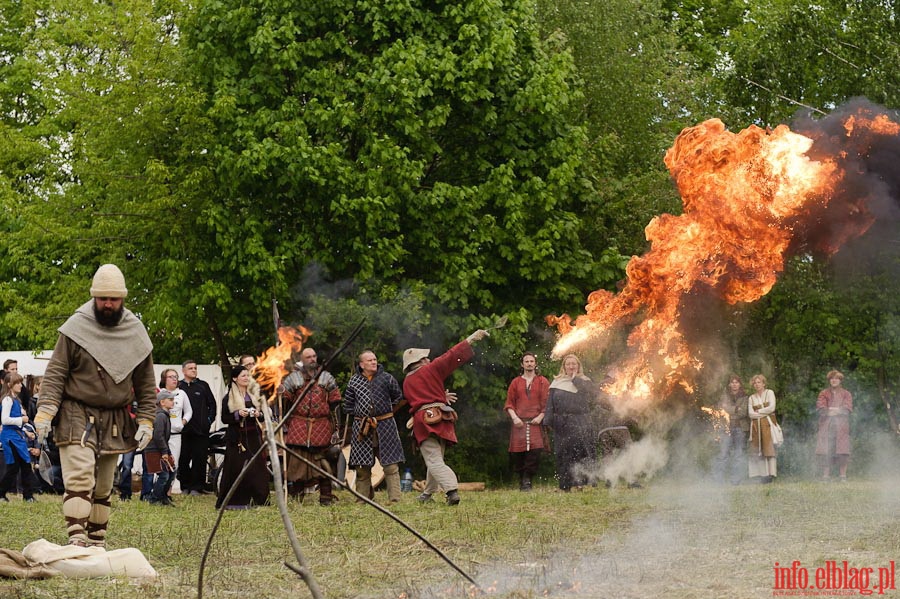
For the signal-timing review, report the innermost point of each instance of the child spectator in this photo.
(157, 457)
(14, 440)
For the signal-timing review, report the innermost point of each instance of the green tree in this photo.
(390, 142)
(773, 58)
(400, 147)
(123, 178)
(640, 90)
(215, 151)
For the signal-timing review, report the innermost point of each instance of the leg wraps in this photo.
(103, 485)
(439, 473)
(88, 480)
(97, 521)
(76, 510)
(392, 481)
(364, 481)
(325, 492)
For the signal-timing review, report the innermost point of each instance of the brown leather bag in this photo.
(432, 415)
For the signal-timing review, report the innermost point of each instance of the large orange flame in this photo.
(748, 199)
(270, 367)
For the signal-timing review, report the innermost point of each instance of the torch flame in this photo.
(750, 199)
(270, 367)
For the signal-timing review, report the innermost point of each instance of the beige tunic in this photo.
(760, 450)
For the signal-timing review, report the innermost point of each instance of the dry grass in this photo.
(670, 540)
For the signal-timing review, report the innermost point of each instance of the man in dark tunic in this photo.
(193, 460)
(370, 399)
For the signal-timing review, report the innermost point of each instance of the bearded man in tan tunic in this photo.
(101, 363)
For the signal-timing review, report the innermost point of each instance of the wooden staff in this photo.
(280, 439)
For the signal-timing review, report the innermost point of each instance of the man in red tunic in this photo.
(834, 406)
(526, 400)
(433, 418)
(310, 429)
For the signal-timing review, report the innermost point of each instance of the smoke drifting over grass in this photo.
(639, 460)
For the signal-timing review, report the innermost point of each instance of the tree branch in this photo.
(785, 98)
(842, 59)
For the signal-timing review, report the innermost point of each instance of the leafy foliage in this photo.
(424, 144)
(113, 183)
(773, 58)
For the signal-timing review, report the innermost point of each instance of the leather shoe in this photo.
(424, 498)
(452, 497)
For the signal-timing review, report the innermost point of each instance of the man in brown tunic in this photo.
(526, 399)
(101, 363)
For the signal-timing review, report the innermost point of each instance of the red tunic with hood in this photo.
(426, 385)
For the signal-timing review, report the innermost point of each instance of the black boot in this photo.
(525, 483)
(452, 497)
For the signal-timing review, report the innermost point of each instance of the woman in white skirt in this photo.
(761, 450)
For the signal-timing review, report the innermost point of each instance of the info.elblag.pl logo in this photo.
(832, 579)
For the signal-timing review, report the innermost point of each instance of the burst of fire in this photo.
(271, 366)
(750, 200)
(721, 421)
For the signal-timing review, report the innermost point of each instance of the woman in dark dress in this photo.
(241, 411)
(570, 415)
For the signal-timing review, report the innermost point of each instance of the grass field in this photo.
(671, 539)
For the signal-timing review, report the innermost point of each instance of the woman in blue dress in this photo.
(13, 438)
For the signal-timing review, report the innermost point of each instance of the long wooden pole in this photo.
(280, 433)
(276, 322)
(303, 570)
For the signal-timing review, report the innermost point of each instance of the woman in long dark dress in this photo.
(569, 414)
(241, 411)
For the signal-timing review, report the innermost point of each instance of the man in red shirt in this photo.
(433, 419)
(526, 400)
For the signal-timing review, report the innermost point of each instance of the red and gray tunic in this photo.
(426, 385)
(528, 402)
(310, 424)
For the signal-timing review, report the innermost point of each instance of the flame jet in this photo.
(751, 200)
